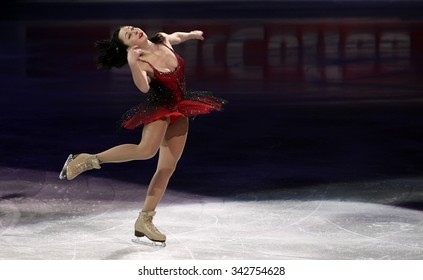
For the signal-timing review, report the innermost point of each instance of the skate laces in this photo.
(89, 163)
(149, 223)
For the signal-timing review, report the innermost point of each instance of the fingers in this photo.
(134, 54)
(198, 34)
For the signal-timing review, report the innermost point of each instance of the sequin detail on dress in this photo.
(168, 98)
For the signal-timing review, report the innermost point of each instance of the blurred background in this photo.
(319, 91)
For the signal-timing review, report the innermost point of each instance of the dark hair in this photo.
(113, 52)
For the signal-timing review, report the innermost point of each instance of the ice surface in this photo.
(92, 218)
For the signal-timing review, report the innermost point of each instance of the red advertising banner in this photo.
(261, 50)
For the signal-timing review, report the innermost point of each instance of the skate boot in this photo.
(144, 227)
(76, 164)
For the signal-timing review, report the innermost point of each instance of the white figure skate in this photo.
(76, 164)
(144, 227)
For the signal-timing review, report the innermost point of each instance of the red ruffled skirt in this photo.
(194, 103)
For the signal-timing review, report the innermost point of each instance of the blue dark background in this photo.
(337, 98)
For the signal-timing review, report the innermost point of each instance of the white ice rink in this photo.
(92, 219)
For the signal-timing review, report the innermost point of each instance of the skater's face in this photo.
(132, 36)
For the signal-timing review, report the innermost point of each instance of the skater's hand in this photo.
(133, 55)
(197, 34)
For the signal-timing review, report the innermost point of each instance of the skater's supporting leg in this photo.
(170, 152)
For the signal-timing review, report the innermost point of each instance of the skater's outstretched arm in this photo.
(180, 37)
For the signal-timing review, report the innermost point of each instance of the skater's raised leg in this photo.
(152, 136)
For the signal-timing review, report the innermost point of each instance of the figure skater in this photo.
(159, 71)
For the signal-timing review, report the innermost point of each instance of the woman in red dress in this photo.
(157, 70)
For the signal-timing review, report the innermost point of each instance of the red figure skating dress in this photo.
(168, 98)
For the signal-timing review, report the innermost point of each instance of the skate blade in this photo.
(149, 242)
(63, 173)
